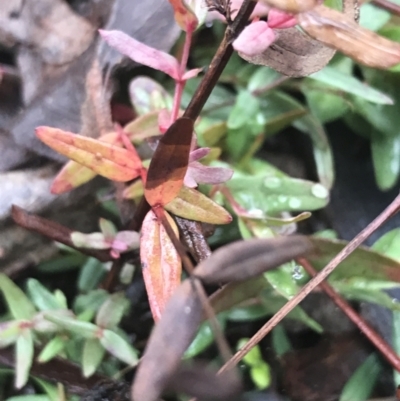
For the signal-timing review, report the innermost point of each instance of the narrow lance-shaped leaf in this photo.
(118, 347)
(193, 205)
(161, 264)
(18, 304)
(169, 163)
(112, 310)
(110, 161)
(93, 353)
(73, 174)
(142, 53)
(24, 358)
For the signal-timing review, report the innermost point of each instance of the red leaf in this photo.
(112, 162)
(161, 264)
(169, 163)
(142, 53)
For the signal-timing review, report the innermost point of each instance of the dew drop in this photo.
(282, 198)
(294, 203)
(297, 273)
(319, 191)
(272, 182)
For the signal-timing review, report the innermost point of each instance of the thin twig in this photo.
(392, 209)
(388, 5)
(358, 320)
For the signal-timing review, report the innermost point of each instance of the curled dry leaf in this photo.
(342, 33)
(292, 6)
(167, 343)
(242, 260)
(193, 205)
(169, 164)
(110, 161)
(161, 264)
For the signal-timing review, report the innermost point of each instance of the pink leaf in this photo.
(191, 74)
(197, 173)
(142, 53)
(254, 39)
(130, 239)
(278, 19)
(198, 154)
(164, 120)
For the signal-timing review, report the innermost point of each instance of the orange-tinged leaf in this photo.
(169, 163)
(161, 264)
(110, 161)
(193, 205)
(184, 16)
(73, 174)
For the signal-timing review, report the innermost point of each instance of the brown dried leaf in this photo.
(242, 260)
(342, 33)
(167, 343)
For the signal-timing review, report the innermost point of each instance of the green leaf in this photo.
(273, 195)
(389, 244)
(193, 205)
(396, 343)
(373, 17)
(24, 358)
(118, 347)
(280, 341)
(362, 262)
(93, 353)
(282, 282)
(107, 228)
(261, 376)
(360, 385)
(90, 301)
(18, 303)
(51, 390)
(262, 77)
(53, 348)
(244, 110)
(321, 148)
(254, 356)
(62, 263)
(41, 296)
(73, 325)
(204, 338)
(279, 110)
(386, 159)
(357, 294)
(10, 331)
(143, 127)
(112, 310)
(91, 274)
(349, 84)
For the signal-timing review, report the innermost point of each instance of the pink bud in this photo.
(278, 19)
(254, 39)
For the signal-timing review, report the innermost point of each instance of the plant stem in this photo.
(180, 85)
(219, 61)
(391, 210)
(364, 327)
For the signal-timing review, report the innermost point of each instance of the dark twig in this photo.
(388, 5)
(364, 327)
(391, 210)
(54, 231)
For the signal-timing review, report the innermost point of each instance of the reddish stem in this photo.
(180, 85)
(364, 327)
